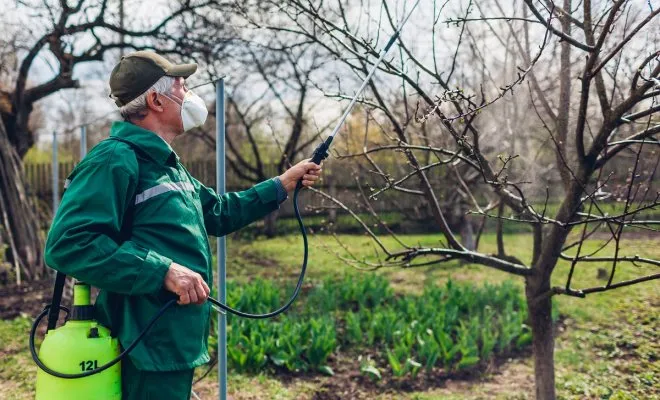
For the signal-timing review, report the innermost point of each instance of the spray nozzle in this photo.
(321, 151)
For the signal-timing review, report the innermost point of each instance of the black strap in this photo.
(54, 311)
(135, 148)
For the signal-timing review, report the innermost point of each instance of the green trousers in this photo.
(154, 385)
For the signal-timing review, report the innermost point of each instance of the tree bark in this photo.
(543, 342)
(467, 234)
(332, 189)
(18, 215)
(270, 224)
(563, 112)
(16, 128)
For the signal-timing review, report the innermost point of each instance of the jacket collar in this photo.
(147, 141)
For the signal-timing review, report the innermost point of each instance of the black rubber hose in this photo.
(303, 269)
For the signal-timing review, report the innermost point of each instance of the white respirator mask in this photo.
(193, 110)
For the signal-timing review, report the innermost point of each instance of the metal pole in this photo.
(83, 142)
(222, 246)
(121, 25)
(56, 176)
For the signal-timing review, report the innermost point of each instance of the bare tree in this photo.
(278, 111)
(599, 103)
(68, 35)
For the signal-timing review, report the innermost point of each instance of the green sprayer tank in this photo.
(80, 345)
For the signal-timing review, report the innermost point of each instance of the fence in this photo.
(338, 182)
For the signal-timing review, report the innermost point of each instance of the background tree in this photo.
(596, 105)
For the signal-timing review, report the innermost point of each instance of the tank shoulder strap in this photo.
(128, 217)
(136, 149)
(60, 278)
(54, 312)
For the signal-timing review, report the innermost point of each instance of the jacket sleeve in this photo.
(85, 242)
(232, 211)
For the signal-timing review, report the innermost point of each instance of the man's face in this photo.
(171, 105)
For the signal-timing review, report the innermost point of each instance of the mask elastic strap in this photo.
(172, 100)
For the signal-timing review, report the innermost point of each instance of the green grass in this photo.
(17, 371)
(282, 257)
(616, 359)
(608, 346)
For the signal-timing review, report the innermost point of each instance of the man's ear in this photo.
(154, 102)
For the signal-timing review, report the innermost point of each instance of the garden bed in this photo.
(357, 327)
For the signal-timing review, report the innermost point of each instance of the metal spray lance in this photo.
(321, 152)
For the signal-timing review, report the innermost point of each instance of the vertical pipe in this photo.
(222, 274)
(83, 142)
(121, 25)
(56, 176)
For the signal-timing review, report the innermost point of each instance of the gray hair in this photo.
(137, 108)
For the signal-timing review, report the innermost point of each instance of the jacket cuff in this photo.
(282, 195)
(267, 191)
(152, 274)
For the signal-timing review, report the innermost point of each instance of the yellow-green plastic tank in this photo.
(80, 345)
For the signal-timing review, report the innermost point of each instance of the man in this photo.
(134, 223)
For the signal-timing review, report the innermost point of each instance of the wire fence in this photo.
(339, 183)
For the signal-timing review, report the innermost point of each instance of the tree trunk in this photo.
(537, 287)
(467, 234)
(543, 343)
(270, 224)
(332, 189)
(17, 214)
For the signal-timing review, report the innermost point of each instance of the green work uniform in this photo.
(129, 210)
(149, 385)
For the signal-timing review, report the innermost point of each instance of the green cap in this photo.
(137, 72)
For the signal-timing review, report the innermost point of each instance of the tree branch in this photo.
(547, 24)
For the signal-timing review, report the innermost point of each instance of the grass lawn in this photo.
(608, 346)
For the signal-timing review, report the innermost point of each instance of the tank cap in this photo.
(82, 313)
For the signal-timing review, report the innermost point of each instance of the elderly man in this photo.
(134, 223)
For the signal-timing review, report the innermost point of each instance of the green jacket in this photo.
(129, 210)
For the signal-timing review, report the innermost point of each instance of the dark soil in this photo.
(26, 299)
(348, 383)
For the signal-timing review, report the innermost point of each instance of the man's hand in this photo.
(307, 170)
(188, 285)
